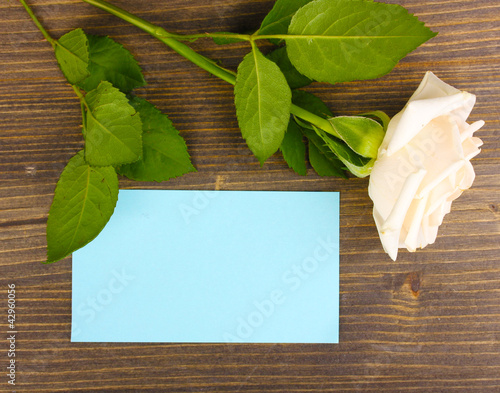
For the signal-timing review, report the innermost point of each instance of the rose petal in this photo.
(420, 113)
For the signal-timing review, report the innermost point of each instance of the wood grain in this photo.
(428, 323)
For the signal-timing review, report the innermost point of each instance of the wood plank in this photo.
(429, 322)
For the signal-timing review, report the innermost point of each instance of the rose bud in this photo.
(423, 164)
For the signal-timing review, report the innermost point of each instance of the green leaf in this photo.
(363, 135)
(294, 149)
(341, 150)
(322, 165)
(380, 117)
(322, 159)
(338, 41)
(312, 103)
(165, 154)
(84, 200)
(278, 19)
(113, 128)
(263, 100)
(361, 171)
(110, 61)
(331, 155)
(294, 78)
(72, 54)
(356, 164)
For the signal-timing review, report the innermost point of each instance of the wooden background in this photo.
(429, 322)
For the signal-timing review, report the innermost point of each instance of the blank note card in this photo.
(211, 266)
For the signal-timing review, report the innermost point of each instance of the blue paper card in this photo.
(211, 266)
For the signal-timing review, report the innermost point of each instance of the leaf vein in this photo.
(68, 249)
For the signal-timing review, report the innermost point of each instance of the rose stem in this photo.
(38, 24)
(171, 40)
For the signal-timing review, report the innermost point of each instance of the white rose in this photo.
(423, 165)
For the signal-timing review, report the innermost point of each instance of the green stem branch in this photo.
(83, 103)
(168, 39)
(81, 97)
(38, 24)
(53, 42)
(171, 40)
